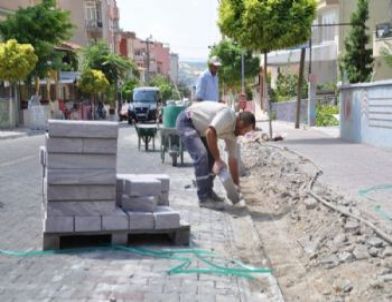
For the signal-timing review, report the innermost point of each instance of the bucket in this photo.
(170, 114)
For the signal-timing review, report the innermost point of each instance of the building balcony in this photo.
(327, 51)
(325, 3)
(382, 39)
(94, 26)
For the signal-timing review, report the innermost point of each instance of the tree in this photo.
(166, 88)
(16, 62)
(357, 60)
(230, 55)
(98, 56)
(261, 25)
(93, 82)
(43, 26)
(127, 88)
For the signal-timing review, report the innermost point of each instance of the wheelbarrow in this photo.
(171, 144)
(146, 133)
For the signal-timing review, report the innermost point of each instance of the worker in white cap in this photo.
(207, 87)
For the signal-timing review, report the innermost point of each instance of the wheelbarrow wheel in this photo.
(174, 159)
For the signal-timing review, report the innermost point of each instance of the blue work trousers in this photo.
(199, 153)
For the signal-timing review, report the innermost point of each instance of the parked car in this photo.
(145, 105)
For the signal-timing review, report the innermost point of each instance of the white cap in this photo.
(214, 60)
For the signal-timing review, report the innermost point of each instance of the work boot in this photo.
(215, 197)
(212, 204)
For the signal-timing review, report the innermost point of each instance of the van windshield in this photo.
(144, 96)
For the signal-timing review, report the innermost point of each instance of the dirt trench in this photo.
(317, 254)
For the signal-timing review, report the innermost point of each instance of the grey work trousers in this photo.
(199, 153)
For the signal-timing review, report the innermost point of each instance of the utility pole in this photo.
(148, 59)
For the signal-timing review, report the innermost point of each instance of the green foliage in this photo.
(230, 55)
(267, 25)
(325, 115)
(43, 26)
(98, 56)
(16, 60)
(329, 86)
(357, 61)
(286, 88)
(184, 90)
(93, 82)
(127, 88)
(165, 86)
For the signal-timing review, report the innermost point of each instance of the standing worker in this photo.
(207, 87)
(212, 120)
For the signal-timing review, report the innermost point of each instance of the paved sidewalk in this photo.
(347, 167)
(115, 275)
(18, 132)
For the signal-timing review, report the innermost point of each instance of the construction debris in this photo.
(336, 247)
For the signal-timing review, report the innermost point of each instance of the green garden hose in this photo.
(378, 209)
(185, 258)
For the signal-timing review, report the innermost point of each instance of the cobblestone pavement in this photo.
(347, 167)
(117, 275)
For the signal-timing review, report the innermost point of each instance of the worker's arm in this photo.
(212, 142)
(233, 167)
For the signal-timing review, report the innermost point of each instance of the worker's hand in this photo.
(218, 166)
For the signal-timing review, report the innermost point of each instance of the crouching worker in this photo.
(213, 121)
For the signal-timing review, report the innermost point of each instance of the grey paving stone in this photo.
(80, 208)
(141, 221)
(139, 204)
(88, 223)
(100, 146)
(42, 155)
(141, 186)
(118, 221)
(64, 144)
(98, 129)
(163, 178)
(164, 199)
(81, 192)
(166, 218)
(81, 176)
(81, 161)
(119, 190)
(61, 224)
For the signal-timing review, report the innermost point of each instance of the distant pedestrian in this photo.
(207, 87)
(212, 121)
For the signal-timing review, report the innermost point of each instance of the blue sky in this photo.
(188, 26)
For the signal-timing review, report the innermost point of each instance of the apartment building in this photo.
(329, 31)
(174, 67)
(93, 19)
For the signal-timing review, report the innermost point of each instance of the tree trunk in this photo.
(36, 81)
(266, 99)
(299, 90)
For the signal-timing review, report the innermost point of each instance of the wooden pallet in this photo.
(52, 241)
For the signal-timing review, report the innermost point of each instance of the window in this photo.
(328, 33)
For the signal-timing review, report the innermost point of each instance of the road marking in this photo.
(16, 161)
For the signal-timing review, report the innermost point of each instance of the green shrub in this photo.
(325, 115)
(286, 88)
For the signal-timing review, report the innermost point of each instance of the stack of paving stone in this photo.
(83, 195)
(80, 178)
(145, 198)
